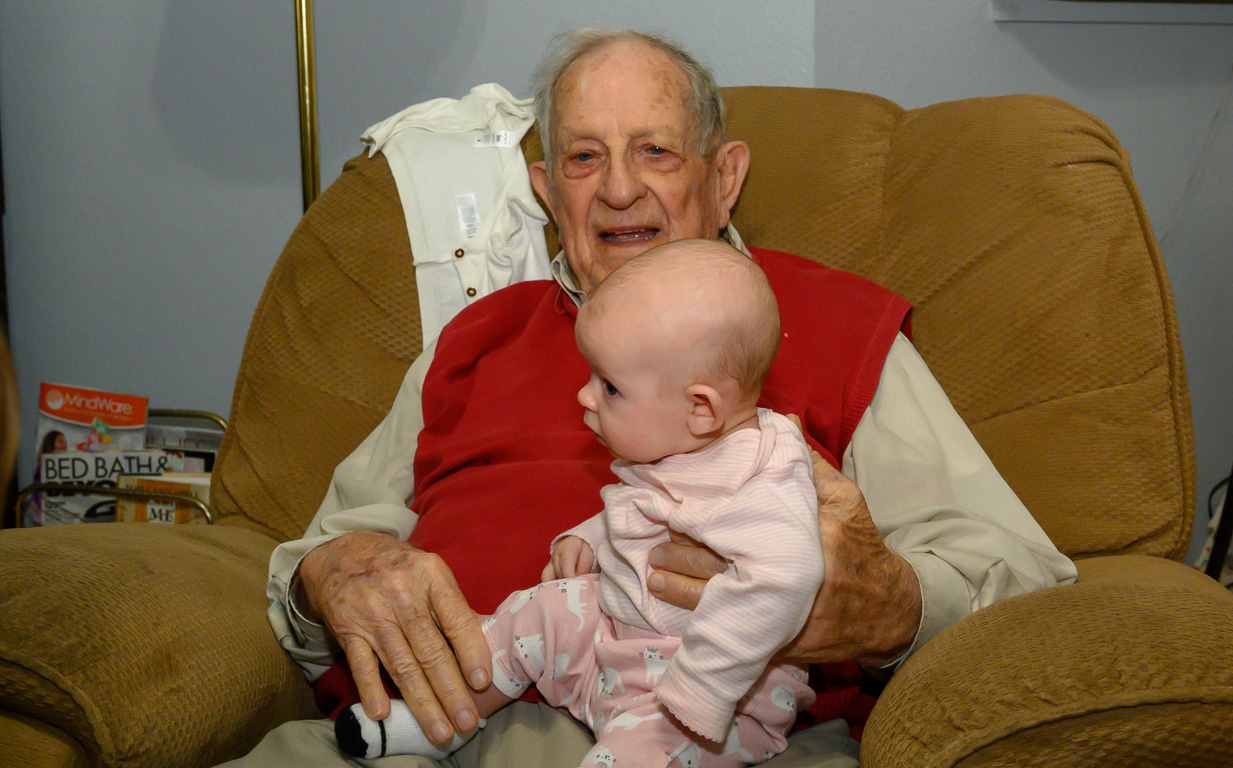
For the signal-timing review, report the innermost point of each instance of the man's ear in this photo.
(731, 164)
(542, 185)
(707, 409)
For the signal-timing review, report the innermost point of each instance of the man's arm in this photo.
(354, 583)
(370, 491)
(950, 534)
(939, 502)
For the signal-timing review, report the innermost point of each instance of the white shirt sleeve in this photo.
(939, 502)
(370, 491)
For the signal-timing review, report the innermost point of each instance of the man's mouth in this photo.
(630, 235)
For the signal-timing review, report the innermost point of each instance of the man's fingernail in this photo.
(440, 732)
(478, 678)
(657, 558)
(656, 582)
(464, 719)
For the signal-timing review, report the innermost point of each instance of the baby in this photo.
(679, 341)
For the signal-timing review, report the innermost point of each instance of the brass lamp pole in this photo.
(310, 174)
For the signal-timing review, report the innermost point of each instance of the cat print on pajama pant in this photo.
(554, 636)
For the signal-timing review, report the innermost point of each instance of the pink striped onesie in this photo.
(635, 668)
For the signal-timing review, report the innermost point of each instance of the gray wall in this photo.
(151, 152)
(151, 172)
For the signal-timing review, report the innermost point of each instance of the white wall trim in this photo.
(1066, 11)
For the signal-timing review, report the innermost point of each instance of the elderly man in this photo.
(636, 156)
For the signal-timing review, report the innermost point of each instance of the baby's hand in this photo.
(570, 557)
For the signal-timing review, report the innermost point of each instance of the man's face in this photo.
(627, 173)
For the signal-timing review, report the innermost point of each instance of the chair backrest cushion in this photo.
(333, 334)
(1012, 224)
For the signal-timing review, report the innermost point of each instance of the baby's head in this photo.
(679, 340)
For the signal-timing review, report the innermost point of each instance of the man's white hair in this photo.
(702, 99)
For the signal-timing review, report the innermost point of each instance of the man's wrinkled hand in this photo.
(384, 600)
(682, 569)
(868, 608)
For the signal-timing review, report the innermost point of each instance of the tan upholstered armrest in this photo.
(1132, 665)
(147, 644)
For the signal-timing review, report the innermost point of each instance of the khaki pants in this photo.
(521, 735)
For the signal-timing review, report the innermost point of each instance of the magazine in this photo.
(198, 445)
(195, 484)
(87, 436)
(94, 468)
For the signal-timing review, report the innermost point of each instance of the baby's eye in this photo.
(611, 390)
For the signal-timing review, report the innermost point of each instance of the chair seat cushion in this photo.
(144, 643)
(1131, 665)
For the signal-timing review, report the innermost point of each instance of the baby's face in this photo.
(627, 405)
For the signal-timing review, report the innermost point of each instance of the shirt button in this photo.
(459, 253)
(470, 291)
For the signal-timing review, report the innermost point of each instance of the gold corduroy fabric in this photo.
(1044, 312)
(144, 645)
(34, 744)
(336, 328)
(1115, 678)
(1042, 307)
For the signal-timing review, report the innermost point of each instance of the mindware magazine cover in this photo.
(88, 437)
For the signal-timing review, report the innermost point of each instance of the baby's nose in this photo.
(584, 397)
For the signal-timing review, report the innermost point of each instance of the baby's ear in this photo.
(707, 409)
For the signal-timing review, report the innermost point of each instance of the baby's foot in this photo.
(397, 734)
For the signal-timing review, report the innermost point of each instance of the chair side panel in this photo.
(335, 331)
(1043, 310)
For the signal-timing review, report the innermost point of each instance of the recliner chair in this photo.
(1042, 307)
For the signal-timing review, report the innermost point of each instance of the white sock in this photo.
(397, 734)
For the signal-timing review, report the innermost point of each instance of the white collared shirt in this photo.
(472, 218)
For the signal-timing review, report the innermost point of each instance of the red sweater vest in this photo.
(504, 462)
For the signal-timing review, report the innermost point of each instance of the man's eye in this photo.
(656, 150)
(611, 390)
(583, 157)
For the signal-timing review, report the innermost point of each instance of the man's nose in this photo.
(622, 185)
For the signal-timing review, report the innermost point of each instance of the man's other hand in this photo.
(868, 608)
(382, 599)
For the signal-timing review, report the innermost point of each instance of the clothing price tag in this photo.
(468, 214)
(495, 139)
